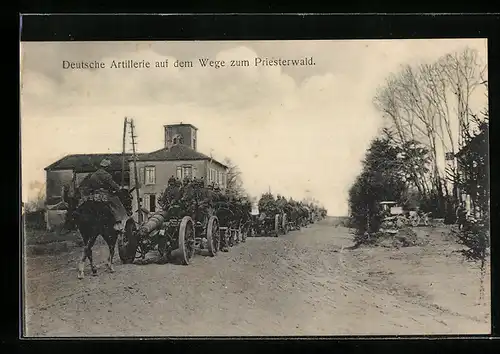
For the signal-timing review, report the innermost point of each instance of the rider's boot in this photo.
(119, 226)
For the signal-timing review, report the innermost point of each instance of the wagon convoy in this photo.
(195, 217)
(279, 216)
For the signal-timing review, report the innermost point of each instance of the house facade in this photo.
(67, 173)
(179, 158)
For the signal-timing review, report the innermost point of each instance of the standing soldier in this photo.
(189, 198)
(461, 215)
(171, 194)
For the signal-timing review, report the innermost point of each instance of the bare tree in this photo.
(37, 203)
(430, 104)
(234, 182)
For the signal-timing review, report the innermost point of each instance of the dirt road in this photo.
(305, 283)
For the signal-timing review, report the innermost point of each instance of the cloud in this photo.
(289, 129)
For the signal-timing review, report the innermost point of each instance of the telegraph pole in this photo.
(123, 151)
(136, 174)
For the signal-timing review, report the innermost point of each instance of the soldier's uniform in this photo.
(171, 195)
(188, 198)
(100, 181)
(281, 204)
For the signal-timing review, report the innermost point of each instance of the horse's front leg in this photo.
(88, 250)
(111, 247)
(81, 264)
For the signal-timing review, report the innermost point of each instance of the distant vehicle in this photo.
(394, 214)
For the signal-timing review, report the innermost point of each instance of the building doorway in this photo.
(152, 203)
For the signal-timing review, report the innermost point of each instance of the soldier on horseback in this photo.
(99, 212)
(102, 181)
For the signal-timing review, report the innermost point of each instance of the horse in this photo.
(94, 217)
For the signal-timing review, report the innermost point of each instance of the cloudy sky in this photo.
(297, 130)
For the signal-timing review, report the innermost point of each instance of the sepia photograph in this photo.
(255, 188)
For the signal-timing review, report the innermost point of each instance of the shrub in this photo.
(475, 237)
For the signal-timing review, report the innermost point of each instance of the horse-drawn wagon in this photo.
(267, 224)
(172, 233)
(234, 217)
(185, 224)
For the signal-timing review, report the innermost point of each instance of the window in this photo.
(187, 171)
(212, 177)
(194, 144)
(178, 139)
(150, 175)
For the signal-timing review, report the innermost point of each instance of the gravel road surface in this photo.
(308, 282)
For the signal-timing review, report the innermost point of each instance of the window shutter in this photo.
(141, 175)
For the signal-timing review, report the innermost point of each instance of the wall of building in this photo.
(216, 174)
(55, 181)
(163, 171)
(117, 176)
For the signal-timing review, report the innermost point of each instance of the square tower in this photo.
(181, 133)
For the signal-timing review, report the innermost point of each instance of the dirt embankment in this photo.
(305, 283)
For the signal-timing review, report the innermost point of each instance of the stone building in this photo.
(179, 157)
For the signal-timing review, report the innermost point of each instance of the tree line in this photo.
(428, 117)
(433, 148)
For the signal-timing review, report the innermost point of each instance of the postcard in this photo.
(255, 188)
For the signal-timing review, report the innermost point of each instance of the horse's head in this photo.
(125, 197)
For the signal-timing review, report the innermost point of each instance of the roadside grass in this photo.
(41, 242)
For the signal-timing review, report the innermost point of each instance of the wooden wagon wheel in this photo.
(276, 225)
(213, 236)
(186, 239)
(244, 233)
(400, 221)
(425, 219)
(127, 242)
(414, 220)
(237, 235)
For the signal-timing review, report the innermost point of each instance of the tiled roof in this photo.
(178, 152)
(88, 162)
